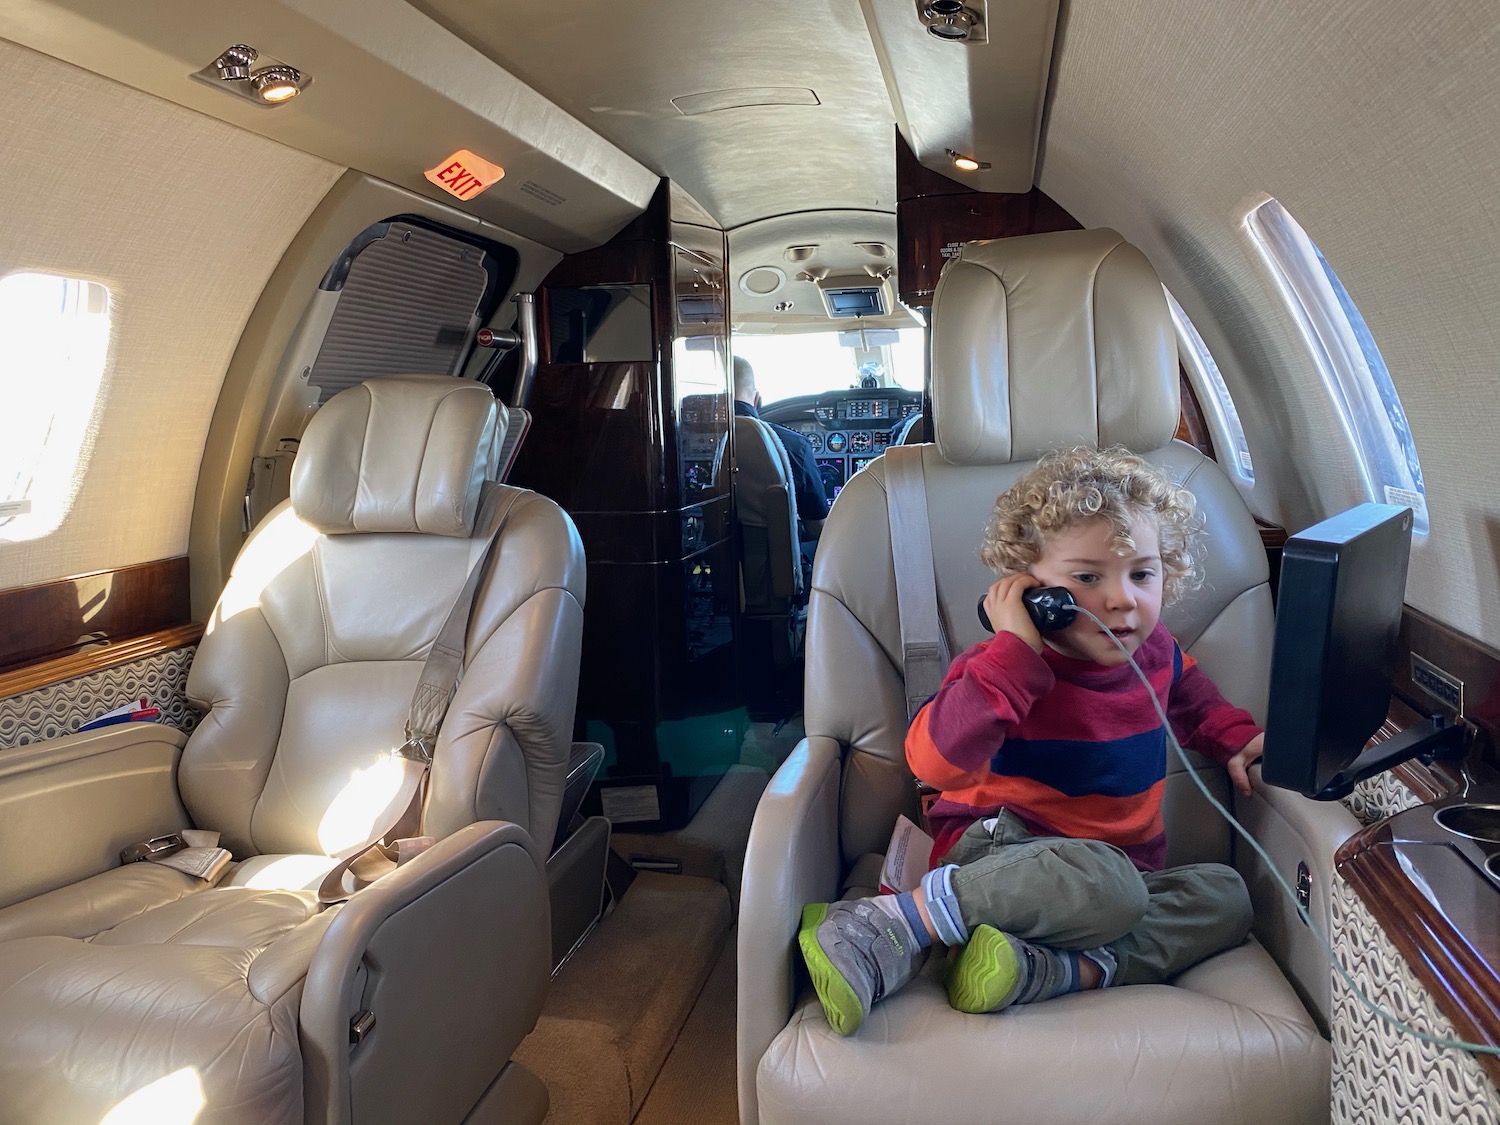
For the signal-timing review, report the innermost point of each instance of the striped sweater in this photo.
(1072, 747)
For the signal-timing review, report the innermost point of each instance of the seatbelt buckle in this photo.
(417, 747)
(154, 848)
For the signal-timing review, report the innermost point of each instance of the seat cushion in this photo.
(1227, 1043)
(193, 1001)
(98, 903)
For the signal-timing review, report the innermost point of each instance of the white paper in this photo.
(906, 859)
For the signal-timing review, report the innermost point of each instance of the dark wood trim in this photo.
(1472, 661)
(56, 618)
(1192, 426)
(1448, 934)
(50, 672)
(935, 216)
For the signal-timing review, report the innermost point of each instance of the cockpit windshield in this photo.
(809, 363)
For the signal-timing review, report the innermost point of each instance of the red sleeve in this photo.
(987, 690)
(1202, 719)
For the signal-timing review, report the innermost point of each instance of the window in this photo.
(1212, 391)
(809, 363)
(1347, 358)
(54, 341)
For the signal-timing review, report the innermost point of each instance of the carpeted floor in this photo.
(696, 1086)
(640, 1024)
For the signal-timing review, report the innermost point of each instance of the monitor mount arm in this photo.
(1433, 738)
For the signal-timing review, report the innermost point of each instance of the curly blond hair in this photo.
(1076, 486)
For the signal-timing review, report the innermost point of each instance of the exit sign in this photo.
(464, 175)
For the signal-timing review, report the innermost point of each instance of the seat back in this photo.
(315, 647)
(1038, 342)
(766, 508)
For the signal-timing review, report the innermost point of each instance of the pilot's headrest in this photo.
(399, 453)
(1049, 341)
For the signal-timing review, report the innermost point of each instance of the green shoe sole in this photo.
(840, 1005)
(985, 974)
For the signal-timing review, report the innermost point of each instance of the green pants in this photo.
(1080, 894)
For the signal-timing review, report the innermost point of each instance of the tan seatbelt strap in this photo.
(445, 663)
(924, 640)
(440, 678)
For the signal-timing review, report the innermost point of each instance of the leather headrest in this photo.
(399, 453)
(1047, 341)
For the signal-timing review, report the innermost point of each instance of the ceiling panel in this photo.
(618, 66)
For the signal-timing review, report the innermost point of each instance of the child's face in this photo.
(1124, 592)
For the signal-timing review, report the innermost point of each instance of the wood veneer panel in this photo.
(935, 216)
(50, 672)
(1448, 935)
(1476, 664)
(55, 618)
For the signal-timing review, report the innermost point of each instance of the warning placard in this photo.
(464, 175)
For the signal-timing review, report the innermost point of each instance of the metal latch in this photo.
(1304, 890)
(361, 1026)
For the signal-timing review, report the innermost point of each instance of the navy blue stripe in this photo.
(1120, 767)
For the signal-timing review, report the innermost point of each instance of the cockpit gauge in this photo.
(861, 441)
(837, 442)
(814, 439)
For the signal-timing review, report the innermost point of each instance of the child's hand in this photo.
(1006, 611)
(1239, 765)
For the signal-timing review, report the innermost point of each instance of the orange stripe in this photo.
(927, 762)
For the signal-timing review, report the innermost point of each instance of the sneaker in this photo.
(857, 954)
(996, 970)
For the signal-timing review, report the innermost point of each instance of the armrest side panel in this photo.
(451, 953)
(1293, 829)
(68, 805)
(793, 859)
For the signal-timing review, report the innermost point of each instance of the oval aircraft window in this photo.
(1346, 356)
(54, 343)
(1214, 392)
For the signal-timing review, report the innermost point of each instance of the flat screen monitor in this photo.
(1338, 621)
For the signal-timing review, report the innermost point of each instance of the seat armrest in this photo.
(68, 805)
(792, 859)
(450, 953)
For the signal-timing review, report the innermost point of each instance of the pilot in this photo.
(807, 482)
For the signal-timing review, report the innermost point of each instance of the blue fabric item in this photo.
(942, 905)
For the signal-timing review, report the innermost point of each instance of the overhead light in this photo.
(950, 20)
(272, 84)
(965, 163)
(234, 64)
(275, 84)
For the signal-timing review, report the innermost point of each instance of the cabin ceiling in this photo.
(618, 67)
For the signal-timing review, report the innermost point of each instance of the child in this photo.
(1051, 760)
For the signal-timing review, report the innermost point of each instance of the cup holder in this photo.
(1477, 822)
(1492, 867)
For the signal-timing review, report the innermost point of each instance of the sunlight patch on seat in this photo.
(366, 803)
(276, 544)
(176, 1099)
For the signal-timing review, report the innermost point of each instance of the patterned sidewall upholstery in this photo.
(1379, 797)
(59, 709)
(1382, 1076)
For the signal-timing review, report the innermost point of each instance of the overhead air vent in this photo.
(712, 101)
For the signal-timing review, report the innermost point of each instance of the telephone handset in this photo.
(1050, 608)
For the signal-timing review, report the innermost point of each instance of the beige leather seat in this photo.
(139, 986)
(1038, 342)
